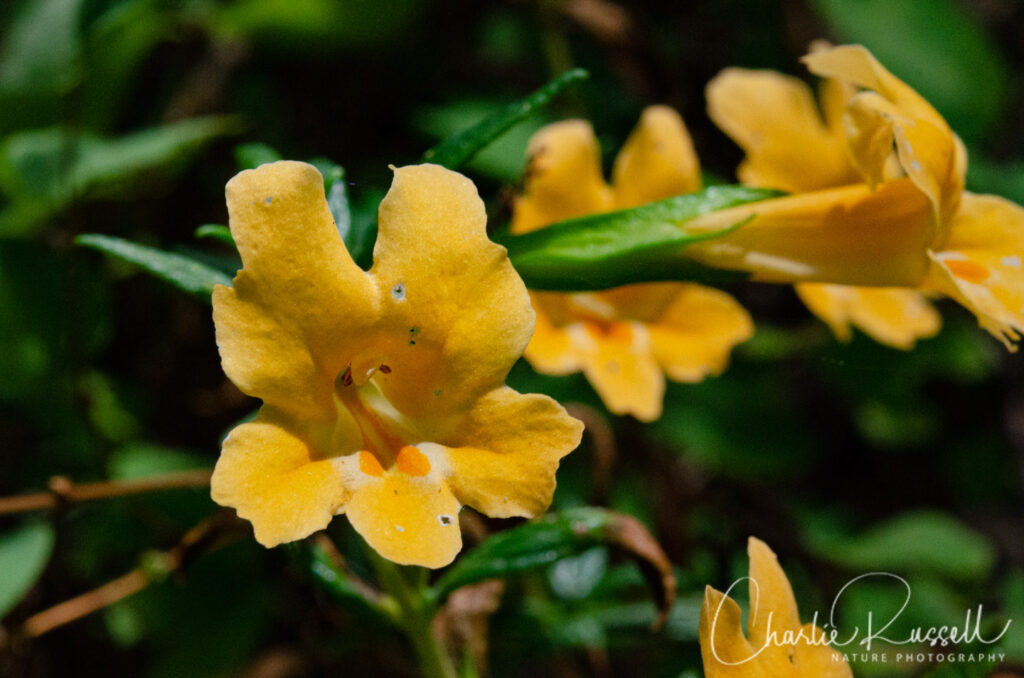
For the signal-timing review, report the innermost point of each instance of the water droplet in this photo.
(398, 291)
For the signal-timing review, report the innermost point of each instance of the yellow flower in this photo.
(900, 218)
(383, 391)
(624, 340)
(793, 147)
(776, 645)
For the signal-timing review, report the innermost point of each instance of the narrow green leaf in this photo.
(217, 232)
(252, 155)
(639, 244)
(24, 553)
(923, 542)
(184, 273)
(456, 151)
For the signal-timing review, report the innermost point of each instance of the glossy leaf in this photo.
(24, 553)
(456, 151)
(184, 273)
(216, 232)
(639, 244)
(560, 535)
(252, 155)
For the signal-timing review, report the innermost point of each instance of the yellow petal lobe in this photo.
(406, 519)
(563, 177)
(504, 454)
(455, 314)
(893, 316)
(273, 479)
(657, 160)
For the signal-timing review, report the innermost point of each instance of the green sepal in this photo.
(639, 244)
(185, 273)
(460, 149)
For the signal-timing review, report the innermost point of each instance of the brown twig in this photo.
(161, 565)
(64, 491)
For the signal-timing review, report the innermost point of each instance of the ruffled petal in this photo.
(928, 150)
(563, 177)
(893, 316)
(504, 454)
(980, 265)
(295, 313)
(657, 161)
(274, 479)
(774, 119)
(455, 314)
(847, 235)
(694, 336)
(408, 519)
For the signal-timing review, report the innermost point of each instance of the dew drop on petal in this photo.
(445, 519)
(399, 528)
(1011, 261)
(398, 291)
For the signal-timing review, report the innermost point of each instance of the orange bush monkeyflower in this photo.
(896, 215)
(626, 339)
(789, 145)
(383, 391)
(776, 644)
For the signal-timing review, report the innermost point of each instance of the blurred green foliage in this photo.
(126, 117)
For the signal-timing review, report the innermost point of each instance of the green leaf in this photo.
(912, 38)
(639, 244)
(252, 155)
(48, 168)
(24, 553)
(456, 151)
(923, 542)
(217, 232)
(561, 535)
(184, 273)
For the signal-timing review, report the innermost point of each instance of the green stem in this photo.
(408, 587)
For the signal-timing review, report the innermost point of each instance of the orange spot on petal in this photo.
(369, 464)
(967, 270)
(620, 332)
(412, 462)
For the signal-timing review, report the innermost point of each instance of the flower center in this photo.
(384, 437)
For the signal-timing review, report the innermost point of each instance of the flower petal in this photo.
(551, 349)
(724, 650)
(693, 337)
(284, 330)
(820, 661)
(563, 178)
(770, 595)
(408, 519)
(272, 477)
(931, 154)
(774, 119)
(456, 315)
(980, 264)
(657, 160)
(847, 235)
(893, 316)
(619, 363)
(504, 455)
